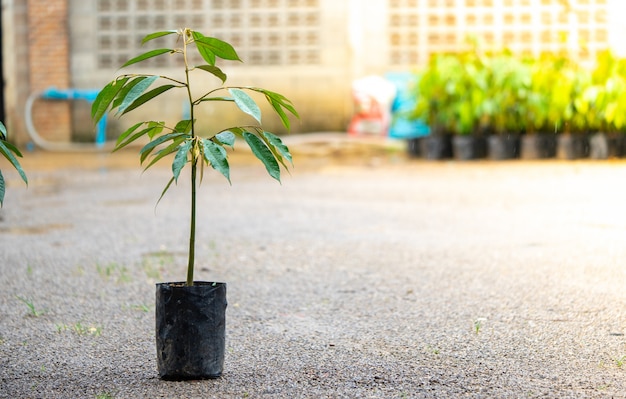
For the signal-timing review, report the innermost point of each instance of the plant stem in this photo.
(192, 231)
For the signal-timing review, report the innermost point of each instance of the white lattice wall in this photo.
(419, 28)
(265, 32)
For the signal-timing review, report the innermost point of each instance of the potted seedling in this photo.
(506, 104)
(190, 315)
(602, 102)
(435, 94)
(470, 84)
(10, 152)
(542, 112)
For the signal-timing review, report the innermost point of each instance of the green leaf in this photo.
(135, 136)
(136, 91)
(119, 98)
(281, 114)
(128, 132)
(277, 143)
(205, 51)
(10, 151)
(1, 189)
(166, 151)
(165, 190)
(260, 150)
(217, 157)
(157, 128)
(226, 138)
(148, 96)
(214, 47)
(105, 97)
(180, 159)
(156, 35)
(280, 103)
(12, 148)
(246, 103)
(237, 131)
(215, 71)
(146, 55)
(3, 131)
(183, 126)
(148, 148)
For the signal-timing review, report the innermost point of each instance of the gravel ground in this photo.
(361, 276)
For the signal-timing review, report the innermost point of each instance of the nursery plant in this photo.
(11, 153)
(190, 315)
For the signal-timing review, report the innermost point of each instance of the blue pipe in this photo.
(52, 93)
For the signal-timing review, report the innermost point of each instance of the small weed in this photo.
(105, 395)
(433, 350)
(142, 307)
(620, 361)
(80, 329)
(113, 270)
(32, 311)
(29, 270)
(79, 271)
(478, 324)
(1, 340)
(153, 262)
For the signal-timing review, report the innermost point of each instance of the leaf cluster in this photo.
(11, 153)
(500, 93)
(130, 91)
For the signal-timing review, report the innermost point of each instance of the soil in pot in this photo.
(436, 146)
(190, 330)
(572, 146)
(469, 147)
(538, 146)
(503, 146)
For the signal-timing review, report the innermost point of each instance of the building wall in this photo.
(295, 47)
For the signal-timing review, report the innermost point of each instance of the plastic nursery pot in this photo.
(572, 146)
(503, 146)
(436, 146)
(538, 146)
(414, 147)
(468, 147)
(190, 330)
(604, 146)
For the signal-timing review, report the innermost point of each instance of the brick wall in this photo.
(49, 65)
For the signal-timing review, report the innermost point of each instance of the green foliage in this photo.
(113, 271)
(500, 93)
(32, 310)
(478, 324)
(130, 91)
(10, 152)
(80, 329)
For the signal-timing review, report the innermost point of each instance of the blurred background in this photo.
(56, 53)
